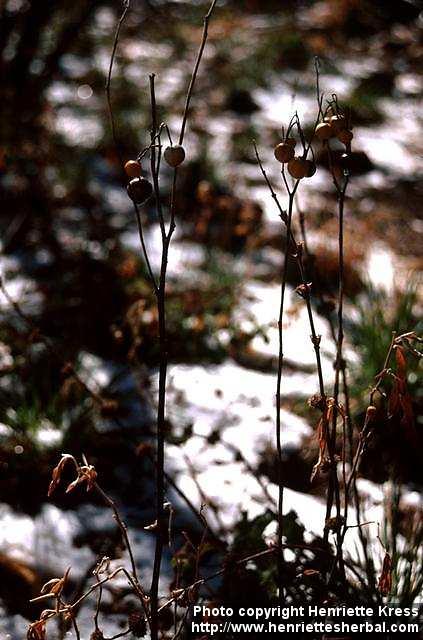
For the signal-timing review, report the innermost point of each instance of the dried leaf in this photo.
(385, 580)
(400, 402)
(57, 472)
(55, 586)
(47, 587)
(401, 363)
(37, 630)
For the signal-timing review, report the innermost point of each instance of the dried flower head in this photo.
(324, 460)
(58, 470)
(85, 473)
(55, 586)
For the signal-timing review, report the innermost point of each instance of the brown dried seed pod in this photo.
(132, 169)
(345, 136)
(311, 168)
(338, 123)
(297, 167)
(325, 131)
(284, 152)
(174, 155)
(139, 190)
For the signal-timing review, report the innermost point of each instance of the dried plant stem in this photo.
(297, 255)
(188, 502)
(99, 584)
(161, 306)
(348, 431)
(76, 628)
(257, 556)
(365, 431)
(163, 363)
(195, 70)
(126, 5)
(278, 399)
(144, 249)
(334, 488)
(124, 530)
(351, 483)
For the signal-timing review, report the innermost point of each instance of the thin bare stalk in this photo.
(144, 248)
(195, 71)
(76, 628)
(124, 530)
(334, 490)
(297, 254)
(121, 20)
(161, 408)
(161, 306)
(278, 399)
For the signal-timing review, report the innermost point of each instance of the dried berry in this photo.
(97, 635)
(325, 131)
(338, 123)
(345, 136)
(174, 155)
(311, 168)
(137, 624)
(133, 169)
(284, 152)
(139, 190)
(298, 168)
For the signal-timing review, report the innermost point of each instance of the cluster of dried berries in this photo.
(298, 166)
(333, 126)
(139, 188)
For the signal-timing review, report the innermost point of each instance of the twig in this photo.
(126, 6)
(124, 530)
(144, 248)
(161, 306)
(160, 437)
(287, 219)
(195, 71)
(341, 190)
